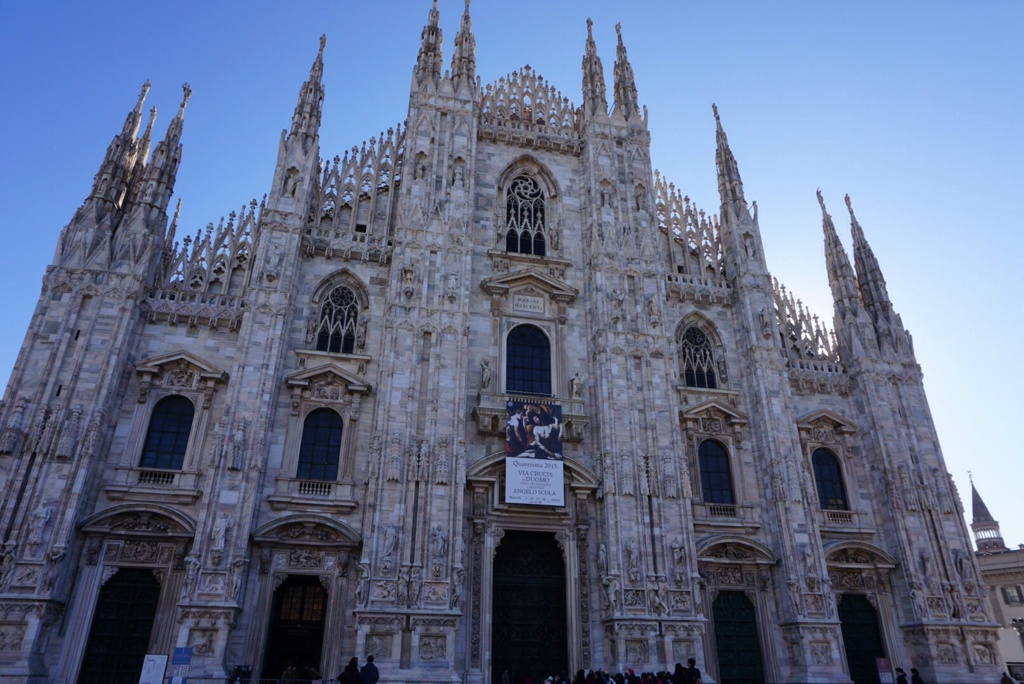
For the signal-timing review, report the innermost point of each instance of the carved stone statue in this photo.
(485, 374)
(575, 385)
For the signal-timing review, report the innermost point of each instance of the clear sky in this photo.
(915, 109)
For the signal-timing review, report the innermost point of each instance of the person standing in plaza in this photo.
(369, 673)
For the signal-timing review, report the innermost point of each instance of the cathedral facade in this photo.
(284, 441)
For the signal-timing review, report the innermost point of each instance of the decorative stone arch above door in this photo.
(309, 545)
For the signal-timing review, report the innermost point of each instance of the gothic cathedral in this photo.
(484, 393)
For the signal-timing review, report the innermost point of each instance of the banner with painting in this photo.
(533, 454)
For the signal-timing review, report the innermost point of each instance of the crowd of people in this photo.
(680, 675)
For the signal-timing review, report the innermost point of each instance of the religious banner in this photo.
(533, 454)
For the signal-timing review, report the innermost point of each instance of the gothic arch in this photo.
(307, 530)
(730, 547)
(344, 277)
(529, 165)
(858, 553)
(132, 519)
(704, 324)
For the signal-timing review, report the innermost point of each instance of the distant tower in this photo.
(987, 536)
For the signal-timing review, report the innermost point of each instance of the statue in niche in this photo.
(575, 385)
(37, 522)
(485, 374)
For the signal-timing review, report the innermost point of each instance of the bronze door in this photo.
(296, 637)
(739, 652)
(861, 638)
(529, 632)
(119, 634)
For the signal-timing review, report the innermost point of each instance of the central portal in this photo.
(529, 633)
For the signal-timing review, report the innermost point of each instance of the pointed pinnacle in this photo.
(142, 96)
(714, 110)
(323, 43)
(186, 93)
(590, 29)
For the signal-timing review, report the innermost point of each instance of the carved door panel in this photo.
(739, 651)
(529, 631)
(861, 638)
(119, 635)
(296, 632)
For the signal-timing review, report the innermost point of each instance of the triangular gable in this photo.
(531, 277)
(838, 423)
(730, 414)
(155, 365)
(352, 382)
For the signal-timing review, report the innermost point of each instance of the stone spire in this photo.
(111, 181)
(428, 61)
(851, 321)
(306, 120)
(625, 85)
(464, 57)
(987, 536)
(161, 172)
(595, 94)
(892, 338)
(730, 185)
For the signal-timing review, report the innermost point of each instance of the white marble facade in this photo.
(402, 245)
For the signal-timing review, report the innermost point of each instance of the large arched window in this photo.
(698, 360)
(829, 479)
(524, 217)
(715, 476)
(528, 361)
(338, 317)
(167, 436)
(321, 446)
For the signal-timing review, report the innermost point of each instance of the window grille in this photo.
(167, 436)
(528, 361)
(829, 479)
(715, 476)
(321, 446)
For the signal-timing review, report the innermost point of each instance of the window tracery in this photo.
(698, 360)
(525, 217)
(339, 320)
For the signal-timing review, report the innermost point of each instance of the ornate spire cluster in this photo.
(595, 95)
(626, 104)
(850, 317)
(694, 232)
(216, 260)
(464, 57)
(892, 338)
(361, 173)
(523, 100)
(428, 61)
(306, 119)
(803, 335)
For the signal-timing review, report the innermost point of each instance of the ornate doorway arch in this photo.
(489, 517)
(313, 549)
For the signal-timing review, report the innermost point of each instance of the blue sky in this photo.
(915, 109)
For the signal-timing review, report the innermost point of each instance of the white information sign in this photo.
(534, 481)
(153, 669)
